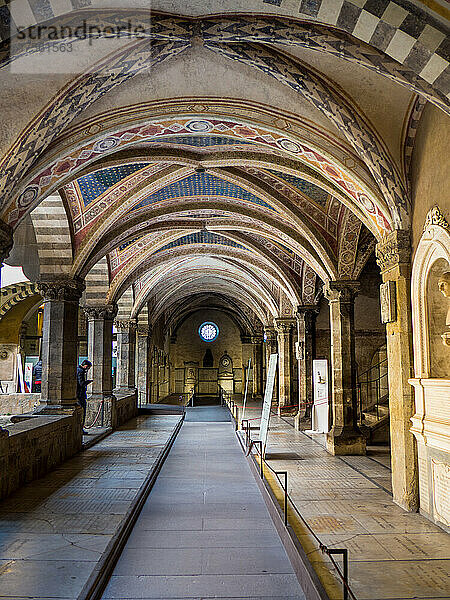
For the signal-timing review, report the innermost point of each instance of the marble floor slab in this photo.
(54, 530)
(347, 502)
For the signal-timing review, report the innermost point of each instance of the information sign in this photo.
(320, 407)
(265, 414)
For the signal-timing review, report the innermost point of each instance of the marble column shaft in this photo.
(60, 340)
(126, 354)
(345, 436)
(271, 347)
(143, 360)
(306, 327)
(284, 327)
(257, 341)
(394, 259)
(100, 324)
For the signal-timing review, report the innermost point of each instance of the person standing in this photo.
(37, 377)
(82, 383)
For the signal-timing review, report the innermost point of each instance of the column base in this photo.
(287, 411)
(346, 441)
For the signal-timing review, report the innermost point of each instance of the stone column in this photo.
(394, 259)
(126, 355)
(143, 359)
(247, 352)
(257, 365)
(271, 347)
(345, 436)
(284, 327)
(100, 323)
(59, 342)
(6, 243)
(306, 328)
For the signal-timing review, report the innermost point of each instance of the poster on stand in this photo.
(320, 406)
(267, 404)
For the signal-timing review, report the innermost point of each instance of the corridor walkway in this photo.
(204, 531)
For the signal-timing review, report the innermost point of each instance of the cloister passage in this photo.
(186, 189)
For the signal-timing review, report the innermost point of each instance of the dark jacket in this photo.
(37, 372)
(82, 383)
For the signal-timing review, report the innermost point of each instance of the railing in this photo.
(250, 445)
(373, 389)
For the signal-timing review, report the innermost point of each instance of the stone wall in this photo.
(18, 404)
(124, 408)
(31, 448)
(430, 177)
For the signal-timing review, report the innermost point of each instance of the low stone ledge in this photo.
(18, 404)
(124, 407)
(35, 446)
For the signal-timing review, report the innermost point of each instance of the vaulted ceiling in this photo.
(236, 160)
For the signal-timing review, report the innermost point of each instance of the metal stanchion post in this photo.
(285, 473)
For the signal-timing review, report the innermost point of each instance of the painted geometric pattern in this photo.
(325, 98)
(84, 217)
(202, 141)
(49, 178)
(94, 184)
(413, 42)
(201, 237)
(201, 184)
(324, 220)
(69, 103)
(313, 191)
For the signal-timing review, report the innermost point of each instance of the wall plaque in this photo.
(388, 302)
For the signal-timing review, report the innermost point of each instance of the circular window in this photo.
(208, 331)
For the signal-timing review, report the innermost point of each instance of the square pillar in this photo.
(345, 437)
(394, 259)
(284, 327)
(126, 355)
(59, 341)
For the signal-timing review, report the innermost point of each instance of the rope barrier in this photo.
(96, 416)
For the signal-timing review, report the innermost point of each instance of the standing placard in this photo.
(320, 408)
(246, 388)
(267, 404)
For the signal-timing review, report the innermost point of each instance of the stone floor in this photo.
(204, 531)
(53, 531)
(347, 501)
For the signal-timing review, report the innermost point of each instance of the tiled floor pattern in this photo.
(53, 531)
(393, 554)
(204, 531)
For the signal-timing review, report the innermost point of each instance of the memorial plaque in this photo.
(441, 489)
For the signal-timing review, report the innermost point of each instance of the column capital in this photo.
(306, 309)
(144, 330)
(125, 324)
(257, 338)
(394, 250)
(104, 311)
(284, 325)
(344, 290)
(62, 289)
(6, 240)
